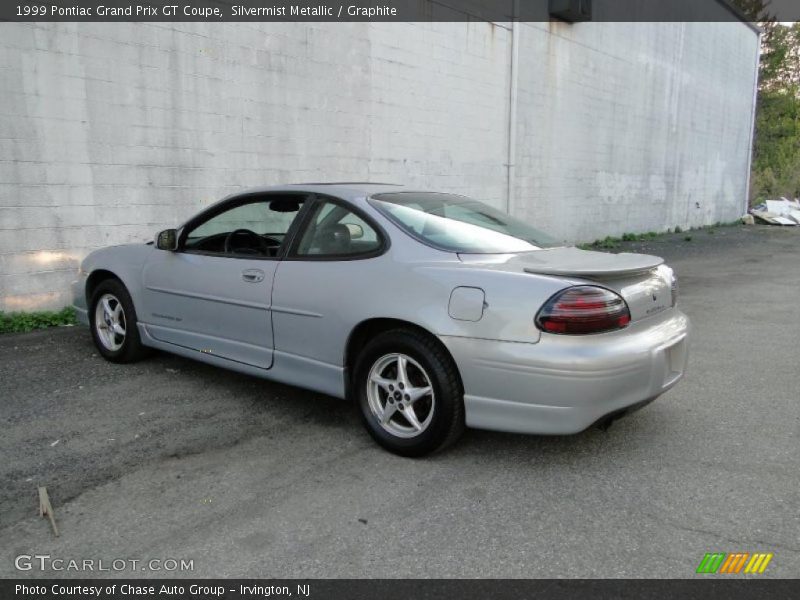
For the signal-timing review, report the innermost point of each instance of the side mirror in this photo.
(167, 240)
(356, 231)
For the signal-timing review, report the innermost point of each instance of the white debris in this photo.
(782, 207)
(778, 212)
(54, 443)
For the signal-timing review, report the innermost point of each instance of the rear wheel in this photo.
(409, 393)
(113, 323)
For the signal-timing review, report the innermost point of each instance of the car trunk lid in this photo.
(642, 280)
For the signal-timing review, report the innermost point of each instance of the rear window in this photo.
(460, 224)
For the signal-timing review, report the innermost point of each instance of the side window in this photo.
(254, 229)
(336, 231)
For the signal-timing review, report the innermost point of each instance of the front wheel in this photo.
(113, 322)
(409, 393)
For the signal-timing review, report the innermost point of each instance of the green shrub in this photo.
(608, 243)
(18, 322)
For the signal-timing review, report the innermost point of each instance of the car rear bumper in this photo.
(564, 384)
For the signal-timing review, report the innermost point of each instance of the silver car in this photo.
(432, 311)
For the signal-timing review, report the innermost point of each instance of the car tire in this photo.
(395, 407)
(112, 320)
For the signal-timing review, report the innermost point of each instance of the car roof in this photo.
(351, 191)
(347, 190)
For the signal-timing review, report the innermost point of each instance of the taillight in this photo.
(583, 309)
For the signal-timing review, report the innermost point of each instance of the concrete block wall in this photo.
(632, 128)
(110, 132)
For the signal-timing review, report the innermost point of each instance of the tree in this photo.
(776, 146)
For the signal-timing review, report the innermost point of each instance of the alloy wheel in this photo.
(400, 395)
(110, 323)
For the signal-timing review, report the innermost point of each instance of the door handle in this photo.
(253, 275)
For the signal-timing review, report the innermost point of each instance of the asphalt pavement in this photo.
(172, 459)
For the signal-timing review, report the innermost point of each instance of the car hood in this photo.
(570, 262)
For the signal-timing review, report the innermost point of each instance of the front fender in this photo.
(123, 262)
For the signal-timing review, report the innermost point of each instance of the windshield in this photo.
(460, 224)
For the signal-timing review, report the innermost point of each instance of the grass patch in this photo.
(608, 243)
(640, 237)
(19, 322)
(611, 242)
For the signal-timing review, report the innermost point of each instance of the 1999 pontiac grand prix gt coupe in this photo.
(432, 311)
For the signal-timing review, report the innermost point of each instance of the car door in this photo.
(321, 285)
(213, 294)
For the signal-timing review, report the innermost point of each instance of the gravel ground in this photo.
(169, 458)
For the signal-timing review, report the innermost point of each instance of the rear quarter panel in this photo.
(317, 304)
